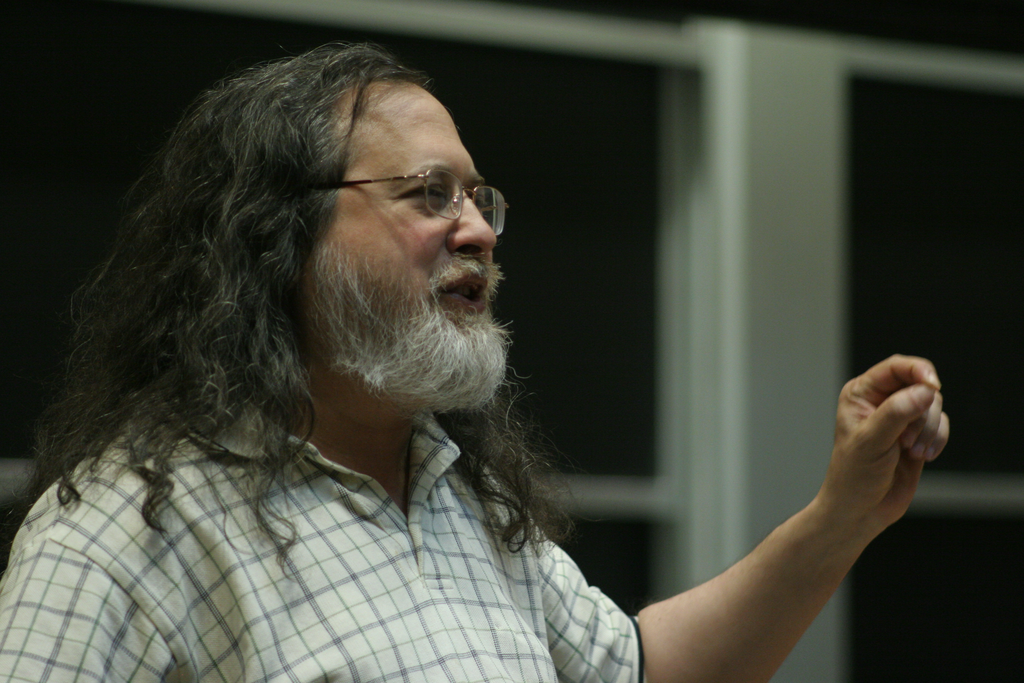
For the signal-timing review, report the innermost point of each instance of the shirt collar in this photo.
(431, 453)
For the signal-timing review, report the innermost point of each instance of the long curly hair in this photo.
(189, 325)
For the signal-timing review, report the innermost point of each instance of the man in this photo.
(286, 451)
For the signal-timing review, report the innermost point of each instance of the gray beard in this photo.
(404, 345)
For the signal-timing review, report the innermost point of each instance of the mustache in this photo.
(486, 275)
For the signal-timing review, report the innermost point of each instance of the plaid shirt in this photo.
(366, 594)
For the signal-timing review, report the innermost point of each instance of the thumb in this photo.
(881, 429)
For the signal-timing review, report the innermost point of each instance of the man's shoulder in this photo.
(106, 516)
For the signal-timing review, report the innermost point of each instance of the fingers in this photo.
(889, 423)
(893, 374)
(906, 414)
(925, 438)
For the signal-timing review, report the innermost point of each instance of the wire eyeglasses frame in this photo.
(444, 194)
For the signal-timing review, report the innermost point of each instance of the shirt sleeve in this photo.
(62, 618)
(590, 638)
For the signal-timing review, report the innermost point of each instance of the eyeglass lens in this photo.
(445, 194)
(492, 207)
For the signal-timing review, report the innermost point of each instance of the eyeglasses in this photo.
(445, 194)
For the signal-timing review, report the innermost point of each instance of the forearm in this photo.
(742, 624)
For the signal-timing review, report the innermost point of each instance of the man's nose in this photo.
(470, 233)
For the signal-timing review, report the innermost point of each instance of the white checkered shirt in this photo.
(93, 594)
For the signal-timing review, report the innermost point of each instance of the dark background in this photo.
(936, 181)
(90, 89)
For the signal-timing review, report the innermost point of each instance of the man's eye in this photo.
(414, 194)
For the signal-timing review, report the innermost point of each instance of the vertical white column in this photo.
(797, 284)
(752, 280)
(682, 205)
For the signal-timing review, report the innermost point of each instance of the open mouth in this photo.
(468, 290)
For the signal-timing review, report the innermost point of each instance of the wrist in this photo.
(845, 529)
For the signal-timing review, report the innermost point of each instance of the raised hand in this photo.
(889, 423)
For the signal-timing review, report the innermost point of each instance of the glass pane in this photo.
(940, 599)
(936, 244)
(615, 557)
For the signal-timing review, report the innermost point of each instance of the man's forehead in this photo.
(391, 103)
(406, 124)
